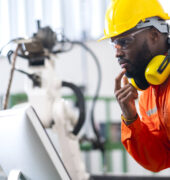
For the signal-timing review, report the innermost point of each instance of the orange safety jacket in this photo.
(147, 139)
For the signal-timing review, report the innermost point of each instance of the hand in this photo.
(126, 96)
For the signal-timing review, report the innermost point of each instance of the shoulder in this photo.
(154, 89)
(148, 96)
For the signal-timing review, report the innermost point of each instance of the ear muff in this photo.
(157, 71)
(140, 83)
(132, 81)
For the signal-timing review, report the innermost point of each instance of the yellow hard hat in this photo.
(123, 15)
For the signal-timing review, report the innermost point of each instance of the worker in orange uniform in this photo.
(139, 33)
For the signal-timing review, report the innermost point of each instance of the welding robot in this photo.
(44, 94)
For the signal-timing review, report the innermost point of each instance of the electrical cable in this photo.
(97, 90)
(81, 105)
(13, 40)
(64, 39)
(62, 50)
(98, 84)
(34, 77)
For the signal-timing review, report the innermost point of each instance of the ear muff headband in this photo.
(164, 64)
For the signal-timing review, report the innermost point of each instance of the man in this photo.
(139, 33)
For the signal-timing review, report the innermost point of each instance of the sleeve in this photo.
(147, 147)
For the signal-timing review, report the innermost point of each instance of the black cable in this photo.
(81, 106)
(34, 77)
(63, 49)
(13, 40)
(97, 90)
(10, 52)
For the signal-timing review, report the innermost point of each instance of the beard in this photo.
(137, 67)
(141, 61)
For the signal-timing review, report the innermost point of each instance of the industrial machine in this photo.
(44, 94)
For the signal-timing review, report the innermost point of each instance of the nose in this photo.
(119, 51)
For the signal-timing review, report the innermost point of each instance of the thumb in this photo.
(125, 80)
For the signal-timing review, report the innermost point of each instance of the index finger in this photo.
(118, 80)
(125, 80)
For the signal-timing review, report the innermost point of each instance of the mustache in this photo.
(123, 60)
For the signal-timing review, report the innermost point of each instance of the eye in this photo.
(124, 42)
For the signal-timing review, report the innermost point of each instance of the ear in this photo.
(154, 35)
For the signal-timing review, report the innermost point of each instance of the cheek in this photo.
(140, 54)
(133, 51)
(132, 56)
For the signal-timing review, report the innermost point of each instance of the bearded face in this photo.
(137, 65)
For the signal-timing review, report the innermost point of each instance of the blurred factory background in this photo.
(80, 20)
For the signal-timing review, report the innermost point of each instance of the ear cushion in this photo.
(158, 70)
(132, 81)
(139, 83)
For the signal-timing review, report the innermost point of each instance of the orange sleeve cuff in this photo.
(127, 131)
